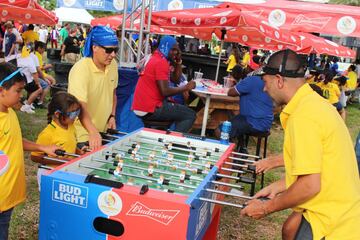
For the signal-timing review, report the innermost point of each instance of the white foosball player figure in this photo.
(191, 157)
(175, 166)
(130, 181)
(137, 158)
(117, 171)
(150, 170)
(208, 166)
(137, 146)
(152, 155)
(182, 176)
(169, 146)
(119, 156)
(121, 164)
(157, 162)
(188, 163)
(170, 158)
(160, 180)
(164, 152)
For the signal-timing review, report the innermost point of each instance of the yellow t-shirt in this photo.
(41, 62)
(231, 63)
(352, 81)
(331, 91)
(318, 141)
(96, 89)
(30, 36)
(12, 182)
(246, 60)
(53, 134)
(310, 80)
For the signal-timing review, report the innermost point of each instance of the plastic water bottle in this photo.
(225, 132)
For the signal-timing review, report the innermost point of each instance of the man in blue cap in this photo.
(93, 81)
(152, 89)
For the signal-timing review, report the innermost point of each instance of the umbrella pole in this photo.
(223, 32)
(219, 59)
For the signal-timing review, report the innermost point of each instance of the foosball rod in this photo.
(115, 163)
(165, 182)
(247, 166)
(45, 167)
(243, 160)
(222, 202)
(197, 170)
(228, 193)
(174, 153)
(187, 145)
(246, 155)
(166, 144)
(56, 159)
(114, 131)
(63, 153)
(227, 184)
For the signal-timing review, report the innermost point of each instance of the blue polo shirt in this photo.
(255, 104)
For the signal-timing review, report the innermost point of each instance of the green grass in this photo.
(25, 219)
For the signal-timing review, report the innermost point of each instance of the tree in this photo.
(346, 2)
(48, 4)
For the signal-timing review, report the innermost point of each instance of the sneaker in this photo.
(32, 106)
(40, 106)
(27, 109)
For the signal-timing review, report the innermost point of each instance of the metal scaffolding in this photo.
(130, 54)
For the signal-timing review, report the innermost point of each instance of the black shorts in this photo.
(31, 87)
(338, 106)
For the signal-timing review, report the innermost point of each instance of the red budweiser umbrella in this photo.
(201, 23)
(305, 16)
(115, 22)
(25, 11)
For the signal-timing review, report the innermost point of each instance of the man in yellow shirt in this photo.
(321, 175)
(93, 81)
(30, 35)
(12, 182)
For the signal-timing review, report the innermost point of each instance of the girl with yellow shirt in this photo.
(63, 110)
(332, 92)
(233, 59)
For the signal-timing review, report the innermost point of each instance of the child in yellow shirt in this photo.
(63, 110)
(12, 182)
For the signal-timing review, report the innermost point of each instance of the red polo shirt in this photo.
(147, 95)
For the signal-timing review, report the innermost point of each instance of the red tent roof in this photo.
(26, 11)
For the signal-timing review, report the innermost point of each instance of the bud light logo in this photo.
(70, 194)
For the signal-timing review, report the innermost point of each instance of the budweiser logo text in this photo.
(162, 216)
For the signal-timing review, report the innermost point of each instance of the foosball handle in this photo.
(252, 168)
(60, 152)
(114, 131)
(91, 178)
(144, 189)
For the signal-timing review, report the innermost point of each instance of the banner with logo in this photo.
(164, 5)
(101, 5)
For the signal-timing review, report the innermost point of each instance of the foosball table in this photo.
(148, 184)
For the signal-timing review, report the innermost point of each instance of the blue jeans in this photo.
(4, 224)
(181, 115)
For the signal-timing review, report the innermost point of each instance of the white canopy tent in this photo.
(74, 15)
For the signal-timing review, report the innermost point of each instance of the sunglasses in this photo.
(72, 115)
(109, 50)
(9, 77)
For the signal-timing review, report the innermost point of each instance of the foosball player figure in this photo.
(150, 170)
(160, 181)
(121, 164)
(208, 166)
(188, 144)
(170, 158)
(152, 155)
(137, 158)
(137, 146)
(119, 156)
(130, 181)
(182, 176)
(188, 163)
(164, 152)
(117, 171)
(175, 166)
(169, 146)
(191, 157)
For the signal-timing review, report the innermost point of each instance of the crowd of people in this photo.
(324, 207)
